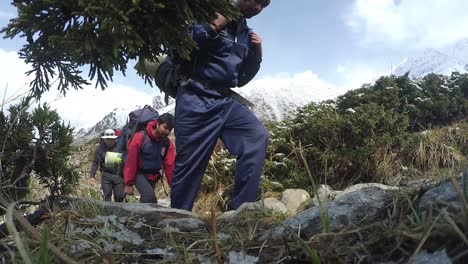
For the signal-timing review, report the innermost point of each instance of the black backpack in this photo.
(168, 77)
(168, 74)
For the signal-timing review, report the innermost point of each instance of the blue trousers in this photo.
(201, 117)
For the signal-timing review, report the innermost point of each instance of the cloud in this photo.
(355, 74)
(13, 81)
(81, 108)
(86, 107)
(414, 23)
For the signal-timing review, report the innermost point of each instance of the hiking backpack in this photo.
(168, 78)
(136, 121)
(168, 73)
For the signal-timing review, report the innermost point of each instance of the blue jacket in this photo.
(224, 58)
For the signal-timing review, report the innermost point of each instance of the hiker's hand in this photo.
(219, 22)
(129, 190)
(256, 42)
(92, 181)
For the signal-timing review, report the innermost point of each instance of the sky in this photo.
(339, 43)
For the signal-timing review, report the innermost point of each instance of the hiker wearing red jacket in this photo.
(149, 152)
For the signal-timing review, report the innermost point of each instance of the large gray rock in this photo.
(443, 195)
(293, 199)
(359, 207)
(361, 186)
(150, 214)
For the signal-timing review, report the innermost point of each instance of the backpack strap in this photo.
(167, 145)
(143, 141)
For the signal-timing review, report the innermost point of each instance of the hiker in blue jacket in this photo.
(229, 56)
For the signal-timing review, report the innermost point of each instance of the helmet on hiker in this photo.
(109, 134)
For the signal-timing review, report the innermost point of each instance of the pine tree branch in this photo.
(65, 36)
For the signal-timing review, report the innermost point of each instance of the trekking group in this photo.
(229, 55)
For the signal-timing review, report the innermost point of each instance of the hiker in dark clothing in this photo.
(111, 179)
(149, 151)
(228, 55)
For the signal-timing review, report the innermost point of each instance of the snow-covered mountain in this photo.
(451, 59)
(117, 118)
(276, 102)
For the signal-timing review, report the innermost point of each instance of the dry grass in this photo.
(440, 152)
(206, 201)
(440, 148)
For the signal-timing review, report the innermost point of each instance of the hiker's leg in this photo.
(118, 189)
(246, 138)
(145, 189)
(153, 185)
(106, 186)
(197, 128)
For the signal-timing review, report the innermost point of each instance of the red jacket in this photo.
(133, 159)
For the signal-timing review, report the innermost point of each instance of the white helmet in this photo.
(109, 133)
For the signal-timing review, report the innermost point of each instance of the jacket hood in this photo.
(149, 130)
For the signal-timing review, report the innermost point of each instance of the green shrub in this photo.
(39, 142)
(373, 134)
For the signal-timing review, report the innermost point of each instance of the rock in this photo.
(276, 195)
(360, 186)
(166, 202)
(166, 253)
(359, 207)
(222, 237)
(437, 257)
(183, 224)
(109, 232)
(240, 257)
(323, 193)
(205, 260)
(293, 198)
(76, 163)
(150, 214)
(77, 248)
(230, 216)
(274, 204)
(442, 196)
(270, 203)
